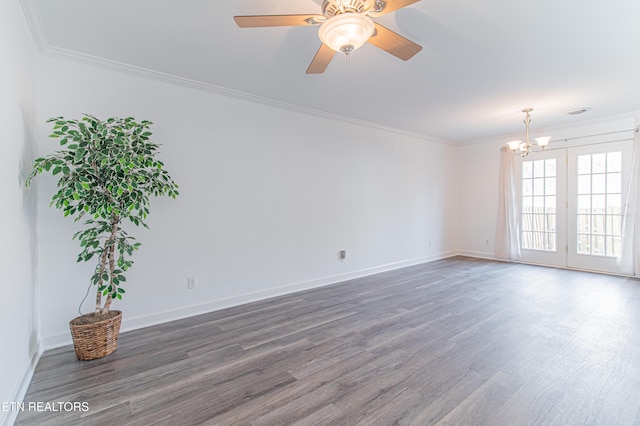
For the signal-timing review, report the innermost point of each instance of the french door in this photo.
(571, 205)
(542, 214)
(598, 178)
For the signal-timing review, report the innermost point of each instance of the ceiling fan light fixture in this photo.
(346, 32)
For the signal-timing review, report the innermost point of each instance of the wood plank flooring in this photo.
(458, 341)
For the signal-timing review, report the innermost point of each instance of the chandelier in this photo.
(526, 147)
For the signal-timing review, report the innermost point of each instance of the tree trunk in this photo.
(108, 256)
(103, 265)
(112, 261)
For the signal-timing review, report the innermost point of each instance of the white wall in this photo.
(18, 81)
(479, 176)
(268, 198)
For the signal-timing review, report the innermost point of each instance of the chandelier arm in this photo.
(526, 147)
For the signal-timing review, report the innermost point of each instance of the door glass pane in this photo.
(614, 225)
(614, 183)
(550, 204)
(599, 204)
(599, 162)
(584, 223)
(584, 184)
(614, 162)
(598, 224)
(614, 204)
(598, 184)
(584, 244)
(550, 169)
(538, 186)
(550, 186)
(551, 223)
(584, 164)
(613, 246)
(538, 168)
(584, 203)
(598, 245)
(539, 205)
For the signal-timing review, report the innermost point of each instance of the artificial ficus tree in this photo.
(107, 171)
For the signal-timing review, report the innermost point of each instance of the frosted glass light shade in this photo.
(514, 145)
(543, 141)
(346, 32)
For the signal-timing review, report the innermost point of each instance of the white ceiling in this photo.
(482, 62)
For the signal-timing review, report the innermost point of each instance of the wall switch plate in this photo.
(191, 283)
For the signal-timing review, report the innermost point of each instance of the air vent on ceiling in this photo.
(578, 111)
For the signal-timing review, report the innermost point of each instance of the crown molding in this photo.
(66, 54)
(36, 27)
(35, 24)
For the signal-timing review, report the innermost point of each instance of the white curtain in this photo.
(629, 257)
(508, 232)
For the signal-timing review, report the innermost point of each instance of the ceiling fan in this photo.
(345, 25)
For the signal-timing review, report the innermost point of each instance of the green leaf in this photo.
(57, 170)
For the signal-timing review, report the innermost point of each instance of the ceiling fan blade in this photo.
(394, 43)
(251, 21)
(391, 5)
(321, 60)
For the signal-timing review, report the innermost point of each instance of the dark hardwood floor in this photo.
(458, 341)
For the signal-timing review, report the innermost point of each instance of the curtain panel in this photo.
(629, 258)
(508, 230)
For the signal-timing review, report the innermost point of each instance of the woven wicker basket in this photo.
(95, 339)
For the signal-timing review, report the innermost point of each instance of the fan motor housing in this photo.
(332, 8)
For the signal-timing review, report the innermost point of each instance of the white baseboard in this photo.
(8, 418)
(478, 254)
(189, 311)
(142, 321)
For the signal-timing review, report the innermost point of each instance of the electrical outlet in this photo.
(342, 255)
(191, 283)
